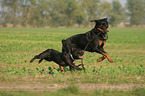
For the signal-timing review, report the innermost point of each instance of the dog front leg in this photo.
(101, 59)
(108, 57)
(105, 55)
(72, 66)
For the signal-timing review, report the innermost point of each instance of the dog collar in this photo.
(71, 56)
(105, 37)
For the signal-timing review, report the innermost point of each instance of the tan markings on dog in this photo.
(108, 57)
(101, 59)
(100, 29)
(104, 42)
(62, 68)
(100, 42)
(107, 29)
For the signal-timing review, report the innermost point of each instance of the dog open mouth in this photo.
(81, 56)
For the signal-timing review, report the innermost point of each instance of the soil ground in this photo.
(55, 87)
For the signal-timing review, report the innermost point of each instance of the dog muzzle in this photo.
(103, 30)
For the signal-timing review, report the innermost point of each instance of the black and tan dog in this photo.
(63, 59)
(92, 41)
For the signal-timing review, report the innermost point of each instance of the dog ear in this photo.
(94, 21)
(98, 20)
(105, 19)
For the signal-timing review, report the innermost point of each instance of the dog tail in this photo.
(33, 59)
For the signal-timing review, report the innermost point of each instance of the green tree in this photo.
(35, 13)
(90, 8)
(65, 12)
(11, 10)
(118, 13)
(56, 12)
(70, 12)
(74, 13)
(104, 9)
(27, 7)
(136, 12)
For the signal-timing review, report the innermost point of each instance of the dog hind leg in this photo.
(36, 57)
(40, 60)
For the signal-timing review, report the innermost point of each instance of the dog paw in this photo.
(99, 60)
(111, 61)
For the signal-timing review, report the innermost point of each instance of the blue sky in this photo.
(123, 2)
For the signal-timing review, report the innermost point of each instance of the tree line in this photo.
(54, 13)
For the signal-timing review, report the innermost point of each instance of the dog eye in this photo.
(103, 24)
(80, 51)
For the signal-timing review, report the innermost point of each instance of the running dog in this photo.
(92, 41)
(62, 59)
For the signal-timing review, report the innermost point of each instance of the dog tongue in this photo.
(81, 56)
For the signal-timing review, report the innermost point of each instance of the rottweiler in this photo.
(63, 59)
(92, 41)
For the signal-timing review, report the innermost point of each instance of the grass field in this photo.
(126, 46)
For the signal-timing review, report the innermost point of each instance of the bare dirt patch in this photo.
(55, 87)
(121, 87)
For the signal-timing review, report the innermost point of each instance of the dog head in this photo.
(101, 25)
(70, 48)
(77, 53)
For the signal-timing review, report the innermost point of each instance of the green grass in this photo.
(126, 46)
